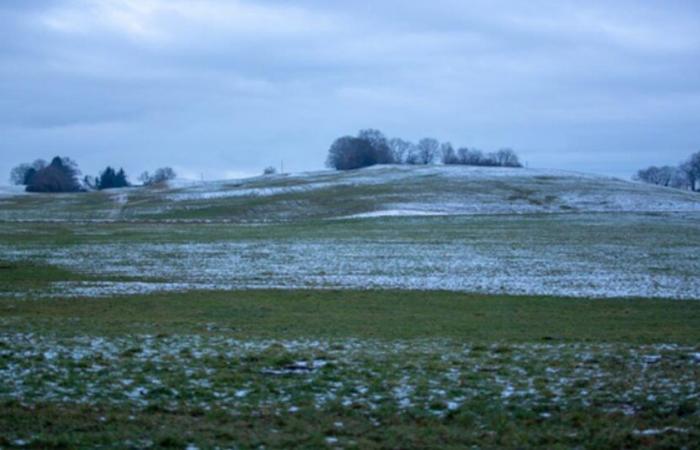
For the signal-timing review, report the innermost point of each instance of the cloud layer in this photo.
(217, 87)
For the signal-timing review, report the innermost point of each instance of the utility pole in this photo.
(281, 166)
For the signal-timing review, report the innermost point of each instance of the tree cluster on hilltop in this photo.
(108, 179)
(62, 175)
(685, 175)
(371, 147)
(159, 176)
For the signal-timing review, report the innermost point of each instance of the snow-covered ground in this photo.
(564, 270)
(396, 213)
(531, 190)
(9, 191)
(583, 255)
(431, 227)
(142, 370)
(368, 193)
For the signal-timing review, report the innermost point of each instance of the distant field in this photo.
(381, 190)
(388, 308)
(600, 255)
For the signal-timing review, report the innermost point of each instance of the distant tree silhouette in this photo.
(110, 179)
(269, 170)
(469, 157)
(161, 175)
(506, 157)
(680, 179)
(412, 156)
(348, 153)
(368, 149)
(90, 182)
(59, 176)
(372, 147)
(428, 150)
(661, 176)
(22, 174)
(380, 145)
(684, 176)
(448, 154)
(691, 168)
(399, 149)
(502, 158)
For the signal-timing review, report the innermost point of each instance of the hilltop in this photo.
(370, 192)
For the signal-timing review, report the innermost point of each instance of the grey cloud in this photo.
(219, 86)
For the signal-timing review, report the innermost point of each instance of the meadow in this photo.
(398, 326)
(352, 369)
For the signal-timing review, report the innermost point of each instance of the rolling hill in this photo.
(494, 231)
(371, 192)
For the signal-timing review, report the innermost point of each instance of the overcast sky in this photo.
(224, 88)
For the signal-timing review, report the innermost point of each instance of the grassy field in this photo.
(331, 194)
(545, 310)
(351, 369)
(577, 255)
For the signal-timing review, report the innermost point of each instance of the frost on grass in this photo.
(431, 377)
(367, 193)
(583, 256)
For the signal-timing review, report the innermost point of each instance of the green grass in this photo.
(560, 254)
(71, 367)
(343, 368)
(546, 229)
(27, 276)
(364, 314)
(88, 427)
(324, 195)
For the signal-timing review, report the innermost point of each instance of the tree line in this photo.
(63, 175)
(371, 147)
(685, 175)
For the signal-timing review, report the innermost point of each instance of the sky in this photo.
(223, 88)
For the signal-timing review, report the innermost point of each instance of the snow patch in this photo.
(395, 213)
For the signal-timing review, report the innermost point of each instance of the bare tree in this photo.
(428, 149)
(489, 160)
(413, 155)
(22, 174)
(449, 156)
(661, 176)
(164, 174)
(399, 149)
(469, 157)
(90, 183)
(161, 175)
(145, 178)
(347, 152)
(506, 157)
(679, 179)
(691, 168)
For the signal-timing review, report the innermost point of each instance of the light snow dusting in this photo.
(484, 230)
(369, 376)
(363, 194)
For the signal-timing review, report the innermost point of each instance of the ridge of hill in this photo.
(371, 192)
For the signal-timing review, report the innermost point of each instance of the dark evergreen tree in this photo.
(111, 179)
